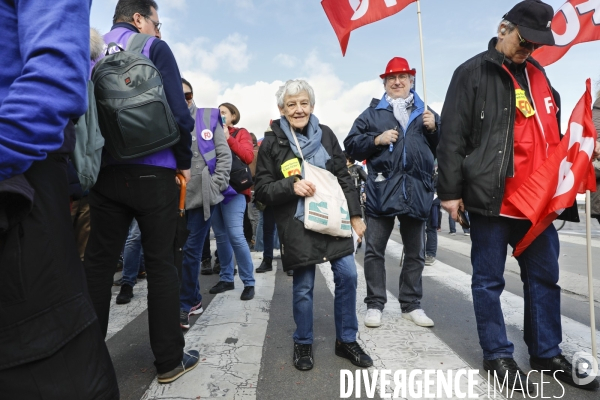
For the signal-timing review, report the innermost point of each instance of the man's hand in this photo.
(429, 120)
(596, 153)
(358, 225)
(186, 174)
(452, 207)
(304, 188)
(387, 137)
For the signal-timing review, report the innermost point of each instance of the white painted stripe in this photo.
(576, 336)
(229, 336)
(399, 344)
(570, 282)
(122, 314)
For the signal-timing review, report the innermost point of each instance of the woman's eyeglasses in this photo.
(189, 96)
(527, 44)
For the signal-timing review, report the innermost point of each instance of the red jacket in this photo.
(241, 145)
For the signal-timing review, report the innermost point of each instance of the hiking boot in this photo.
(265, 265)
(125, 295)
(141, 275)
(184, 319)
(354, 353)
(189, 362)
(197, 309)
(248, 293)
(501, 367)
(206, 268)
(419, 317)
(221, 287)
(303, 358)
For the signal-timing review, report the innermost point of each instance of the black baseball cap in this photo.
(533, 18)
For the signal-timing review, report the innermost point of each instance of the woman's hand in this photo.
(358, 225)
(226, 131)
(304, 188)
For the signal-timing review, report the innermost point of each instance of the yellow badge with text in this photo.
(291, 168)
(523, 104)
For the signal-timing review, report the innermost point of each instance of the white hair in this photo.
(411, 77)
(292, 88)
(508, 25)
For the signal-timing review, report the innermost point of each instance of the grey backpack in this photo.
(87, 155)
(135, 118)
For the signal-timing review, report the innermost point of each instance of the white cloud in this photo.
(199, 53)
(286, 60)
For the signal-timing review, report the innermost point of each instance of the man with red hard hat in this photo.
(501, 122)
(398, 137)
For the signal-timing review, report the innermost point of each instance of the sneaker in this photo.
(373, 318)
(197, 309)
(184, 319)
(452, 233)
(125, 295)
(290, 272)
(354, 353)
(303, 358)
(141, 275)
(429, 260)
(419, 317)
(248, 293)
(221, 287)
(206, 268)
(265, 265)
(467, 234)
(188, 363)
(118, 282)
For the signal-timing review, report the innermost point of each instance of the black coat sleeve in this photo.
(360, 142)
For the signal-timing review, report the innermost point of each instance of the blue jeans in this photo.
(189, 293)
(452, 223)
(228, 226)
(133, 255)
(539, 273)
(345, 279)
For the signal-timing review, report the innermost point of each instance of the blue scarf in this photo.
(313, 151)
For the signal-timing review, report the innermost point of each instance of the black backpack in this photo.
(240, 177)
(134, 116)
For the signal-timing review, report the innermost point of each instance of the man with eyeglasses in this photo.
(397, 136)
(144, 188)
(501, 122)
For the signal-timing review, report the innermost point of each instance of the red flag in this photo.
(568, 171)
(347, 15)
(577, 21)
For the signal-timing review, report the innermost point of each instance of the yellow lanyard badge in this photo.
(291, 168)
(523, 104)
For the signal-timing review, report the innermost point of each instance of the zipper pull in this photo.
(482, 114)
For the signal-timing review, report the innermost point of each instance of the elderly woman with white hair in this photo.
(280, 184)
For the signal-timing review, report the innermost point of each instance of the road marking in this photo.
(399, 344)
(229, 336)
(122, 314)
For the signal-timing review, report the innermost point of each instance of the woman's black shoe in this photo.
(248, 293)
(265, 265)
(221, 287)
(353, 352)
(303, 359)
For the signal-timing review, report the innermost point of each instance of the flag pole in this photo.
(422, 53)
(588, 231)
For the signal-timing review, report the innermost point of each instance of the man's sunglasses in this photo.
(527, 44)
(157, 25)
(189, 96)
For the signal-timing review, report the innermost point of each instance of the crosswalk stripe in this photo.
(576, 336)
(122, 314)
(568, 281)
(229, 336)
(399, 344)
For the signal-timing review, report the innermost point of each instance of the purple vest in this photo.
(163, 158)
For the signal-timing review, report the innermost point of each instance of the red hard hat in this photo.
(398, 65)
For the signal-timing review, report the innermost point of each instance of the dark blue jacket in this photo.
(408, 169)
(43, 75)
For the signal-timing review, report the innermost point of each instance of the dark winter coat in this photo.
(300, 247)
(475, 153)
(408, 169)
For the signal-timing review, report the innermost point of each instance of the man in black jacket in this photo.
(501, 122)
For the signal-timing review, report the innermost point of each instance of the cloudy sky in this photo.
(241, 51)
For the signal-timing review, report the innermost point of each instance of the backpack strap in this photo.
(137, 42)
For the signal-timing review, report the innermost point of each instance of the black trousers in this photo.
(43, 296)
(149, 194)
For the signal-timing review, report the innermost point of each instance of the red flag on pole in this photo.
(347, 15)
(577, 21)
(568, 171)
